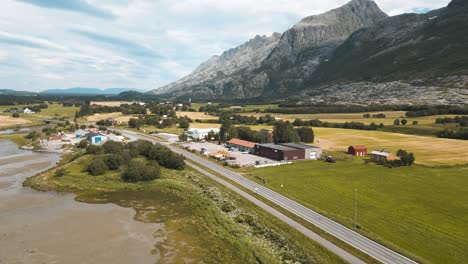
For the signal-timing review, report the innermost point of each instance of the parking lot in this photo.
(241, 159)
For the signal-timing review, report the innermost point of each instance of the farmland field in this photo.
(420, 209)
(356, 117)
(58, 111)
(53, 111)
(197, 115)
(118, 116)
(428, 150)
(8, 121)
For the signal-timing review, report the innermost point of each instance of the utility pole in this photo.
(355, 208)
(263, 175)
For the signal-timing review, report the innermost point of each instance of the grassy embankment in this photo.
(417, 210)
(19, 139)
(203, 220)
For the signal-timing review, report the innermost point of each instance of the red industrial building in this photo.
(357, 150)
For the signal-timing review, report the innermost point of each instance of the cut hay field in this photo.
(197, 115)
(428, 150)
(418, 210)
(8, 121)
(356, 117)
(118, 116)
(204, 125)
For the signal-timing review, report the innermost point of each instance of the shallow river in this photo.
(40, 227)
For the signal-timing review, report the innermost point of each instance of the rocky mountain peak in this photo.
(338, 23)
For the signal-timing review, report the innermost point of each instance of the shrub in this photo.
(15, 115)
(93, 149)
(60, 172)
(97, 167)
(138, 170)
(114, 162)
(33, 135)
(112, 147)
(83, 144)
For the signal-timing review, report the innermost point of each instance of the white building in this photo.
(28, 111)
(200, 133)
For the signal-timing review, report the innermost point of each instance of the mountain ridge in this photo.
(85, 90)
(332, 57)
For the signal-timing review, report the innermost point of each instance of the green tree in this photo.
(415, 123)
(224, 130)
(112, 147)
(284, 132)
(138, 170)
(113, 162)
(396, 122)
(97, 167)
(184, 123)
(306, 134)
(93, 149)
(15, 115)
(404, 122)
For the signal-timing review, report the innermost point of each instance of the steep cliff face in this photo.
(273, 65)
(218, 73)
(310, 42)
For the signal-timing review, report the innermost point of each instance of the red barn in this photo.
(357, 150)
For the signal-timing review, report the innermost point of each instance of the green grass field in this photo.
(416, 209)
(193, 210)
(53, 111)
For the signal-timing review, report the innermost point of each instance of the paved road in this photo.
(370, 247)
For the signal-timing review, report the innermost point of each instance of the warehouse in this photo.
(310, 152)
(279, 152)
(241, 145)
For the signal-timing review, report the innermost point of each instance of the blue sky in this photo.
(144, 44)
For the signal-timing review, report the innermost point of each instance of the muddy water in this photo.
(40, 227)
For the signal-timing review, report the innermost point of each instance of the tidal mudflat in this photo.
(49, 227)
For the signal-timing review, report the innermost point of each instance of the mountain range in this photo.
(352, 54)
(89, 91)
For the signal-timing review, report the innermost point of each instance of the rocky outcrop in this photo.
(219, 72)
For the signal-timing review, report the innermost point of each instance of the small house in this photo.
(357, 150)
(382, 156)
(28, 111)
(95, 138)
(199, 133)
(242, 145)
(56, 137)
